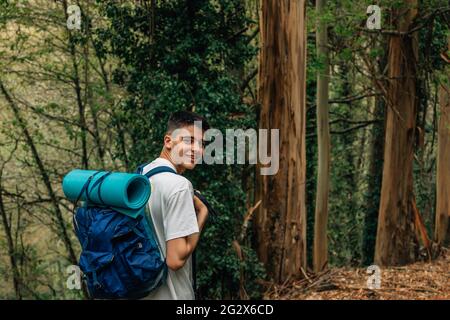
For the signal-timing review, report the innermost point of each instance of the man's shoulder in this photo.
(172, 179)
(168, 182)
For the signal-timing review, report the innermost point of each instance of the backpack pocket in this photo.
(96, 267)
(138, 260)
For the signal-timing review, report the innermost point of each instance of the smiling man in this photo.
(177, 214)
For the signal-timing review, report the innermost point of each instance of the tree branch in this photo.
(249, 78)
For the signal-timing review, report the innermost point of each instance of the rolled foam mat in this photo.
(125, 192)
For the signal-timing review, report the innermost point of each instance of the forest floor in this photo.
(421, 281)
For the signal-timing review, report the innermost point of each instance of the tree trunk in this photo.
(115, 118)
(442, 229)
(281, 218)
(88, 99)
(11, 249)
(396, 243)
(375, 175)
(374, 179)
(77, 87)
(320, 258)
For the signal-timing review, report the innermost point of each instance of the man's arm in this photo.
(179, 249)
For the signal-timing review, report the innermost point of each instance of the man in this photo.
(178, 215)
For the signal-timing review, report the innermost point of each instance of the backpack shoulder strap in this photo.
(159, 169)
(140, 168)
(149, 174)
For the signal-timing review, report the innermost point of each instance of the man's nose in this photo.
(197, 147)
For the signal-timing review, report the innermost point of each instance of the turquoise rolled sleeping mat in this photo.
(124, 192)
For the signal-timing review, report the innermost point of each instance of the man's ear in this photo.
(168, 142)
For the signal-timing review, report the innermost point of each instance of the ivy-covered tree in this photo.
(190, 55)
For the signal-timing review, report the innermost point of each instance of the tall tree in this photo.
(443, 168)
(7, 227)
(374, 178)
(76, 78)
(396, 243)
(320, 257)
(281, 219)
(375, 173)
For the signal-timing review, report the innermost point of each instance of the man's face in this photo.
(186, 146)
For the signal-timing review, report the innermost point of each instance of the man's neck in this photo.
(165, 154)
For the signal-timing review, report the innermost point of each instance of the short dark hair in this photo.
(182, 119)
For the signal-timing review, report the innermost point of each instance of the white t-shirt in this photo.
(173, 213)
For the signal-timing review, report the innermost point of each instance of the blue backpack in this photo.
(121, 257)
